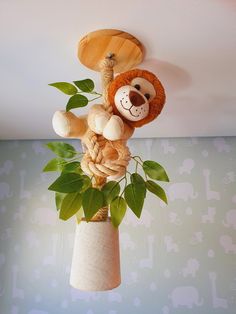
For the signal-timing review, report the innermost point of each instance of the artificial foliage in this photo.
(75, 193)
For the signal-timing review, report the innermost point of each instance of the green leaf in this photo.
(73, 166)
(155, 171)
(92, 201)
(64, 87)
(134, 196)
(58, 199)
(55, 164)
(157, 190)
(86, 86)
(79, 215)
(135, 178)
(86, 183)
(118, 209)
(61, 149)
(70, 205)
(76, 101)
(67, 183)
(111, 190)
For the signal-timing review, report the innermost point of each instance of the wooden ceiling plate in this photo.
(95, 46)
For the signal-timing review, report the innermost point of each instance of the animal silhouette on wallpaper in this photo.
(32, 240)
(227, 243)
(132, 278)
(216, 301)
(24, 194)
(5, 191)
(186, 296)
(167, 273)
(191, 268)
(188, 211)
(230, 219)
(87, 296)
(210, 194)
(149, 144)
(6, 234)
(173, 218)
(171, 246)
(19, 213)
(210, 216)
(38, 148)
(192, 141)
(148, 261)
(36, 274)
(126, 241)
(16, 292)
(51, 259)
(131, 220)
(229, 177)
(187, 166)
(165, 310)
(114, 297)
(181, 191)
(234, 199)
(7, 167)
(136, 302)
(44, 216)
(221, 145)
(167, 148)
(196, 238)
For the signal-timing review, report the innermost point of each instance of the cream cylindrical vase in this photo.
(96, 257)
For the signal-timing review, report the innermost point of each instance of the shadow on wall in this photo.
(173, 77)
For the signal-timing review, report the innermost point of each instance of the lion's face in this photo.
(137, 96)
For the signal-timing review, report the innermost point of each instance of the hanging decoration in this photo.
(96, 182)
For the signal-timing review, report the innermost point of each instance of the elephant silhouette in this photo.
(4, 191)
(182, 190)
(185, 296)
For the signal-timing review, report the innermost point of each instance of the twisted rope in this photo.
(107, 73)
(95, 161)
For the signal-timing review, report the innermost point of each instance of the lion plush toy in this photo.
(137, 97)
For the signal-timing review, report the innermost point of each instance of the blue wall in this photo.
(178, 258)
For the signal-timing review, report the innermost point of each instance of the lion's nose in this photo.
(136, 99)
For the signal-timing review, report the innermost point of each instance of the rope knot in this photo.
(108, 62)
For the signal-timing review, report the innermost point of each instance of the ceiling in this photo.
(190, 45)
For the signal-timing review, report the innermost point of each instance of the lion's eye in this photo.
(147, 95)
(137, 86)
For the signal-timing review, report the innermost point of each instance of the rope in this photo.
(95, 161)
(107, 73)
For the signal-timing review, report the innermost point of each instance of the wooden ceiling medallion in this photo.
(96, 45)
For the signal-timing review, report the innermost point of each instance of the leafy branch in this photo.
(75, 195)
(75, 91)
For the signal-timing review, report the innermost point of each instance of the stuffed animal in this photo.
(137, 97)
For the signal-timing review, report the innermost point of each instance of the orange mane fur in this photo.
(155, 105)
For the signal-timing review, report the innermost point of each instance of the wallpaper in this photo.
(179, 258)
